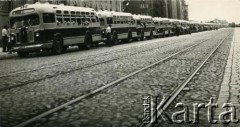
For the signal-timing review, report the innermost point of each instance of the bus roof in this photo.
(112, 13)
(174, 20)
(159, 19)
(46, 7)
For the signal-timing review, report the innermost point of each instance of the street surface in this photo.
(34, 85)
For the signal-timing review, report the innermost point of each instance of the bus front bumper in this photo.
(31, 48)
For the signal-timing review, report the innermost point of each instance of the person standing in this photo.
(5, 38)
(108, 32)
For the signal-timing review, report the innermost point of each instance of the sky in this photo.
(207, 10)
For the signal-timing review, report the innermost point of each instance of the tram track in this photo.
(95, 92)
(88, 92)
(111, 84)
(74, 69)
(77, 60)
(174, 94)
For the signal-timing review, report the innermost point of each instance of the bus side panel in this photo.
(71, 36)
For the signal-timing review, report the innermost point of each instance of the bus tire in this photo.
(87, 42)
(129, 40)
(23, 54)
(141, 36)
(115, 38)
(57, 45)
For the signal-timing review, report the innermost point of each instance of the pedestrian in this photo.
(9, 45)
(4, 38)
(108, 32)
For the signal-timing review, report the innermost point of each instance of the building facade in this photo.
(172, 9)
(176, 9)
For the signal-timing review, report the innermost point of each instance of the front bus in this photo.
(38, 27)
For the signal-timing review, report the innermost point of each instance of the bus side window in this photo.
(59, 19)
(79, 21)
(48, 18)
(102, 22)
(66, 20)
(93, 19)
(109, 20)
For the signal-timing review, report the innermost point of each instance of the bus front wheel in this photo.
(57, 45)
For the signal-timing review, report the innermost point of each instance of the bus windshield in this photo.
(29, 20)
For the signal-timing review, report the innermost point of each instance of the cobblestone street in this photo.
(105, 86)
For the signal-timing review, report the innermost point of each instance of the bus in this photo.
(44, 26)
(163, 26)
(185, 27)
(122, 25)
(145, 26)
(194, 26)
(176, 26)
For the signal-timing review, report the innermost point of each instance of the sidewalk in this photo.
(230, 87)
(4, 55)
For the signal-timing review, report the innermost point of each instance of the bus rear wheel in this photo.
(87, 42)
(57, 45)
(23, 54)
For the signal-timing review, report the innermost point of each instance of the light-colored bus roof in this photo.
(184, 21)
(159, 19)
(194, 22)
(112, 13)
(174, 20)
(138, 17)
(46, 7)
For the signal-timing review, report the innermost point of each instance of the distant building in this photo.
(186, 17)
(161, 7)
(143, 7)
(172, 9)
(180, 9)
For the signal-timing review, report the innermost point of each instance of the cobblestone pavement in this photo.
(205, 85)
(45, 59)
(121, 105)
(118, 106)
(27, 78)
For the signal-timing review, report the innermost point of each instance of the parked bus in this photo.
(163, 27)
(185, 27)
(122, 25)
(46, 26)
(145, 26)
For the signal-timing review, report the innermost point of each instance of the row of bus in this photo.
(38, 27)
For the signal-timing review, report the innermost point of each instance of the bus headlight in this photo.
(37, 34)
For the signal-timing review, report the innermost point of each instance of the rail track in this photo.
(75, 60)
(173, 95)
(75, 69)
(92, 93)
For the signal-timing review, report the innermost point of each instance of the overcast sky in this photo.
(207, 10)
